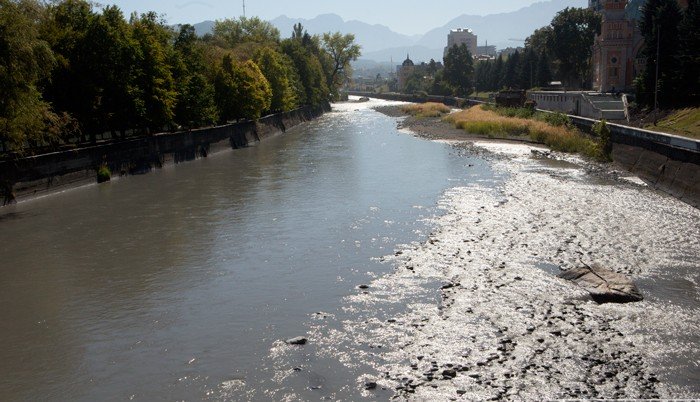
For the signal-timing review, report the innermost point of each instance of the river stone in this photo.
(299, 340)
(605, 286)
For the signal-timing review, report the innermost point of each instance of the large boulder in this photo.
(605, 286)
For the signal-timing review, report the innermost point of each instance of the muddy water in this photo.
(182, 283)
(177, 284)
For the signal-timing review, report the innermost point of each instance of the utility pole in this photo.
(656, 82)
(243, 8)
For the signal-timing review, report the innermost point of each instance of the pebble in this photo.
(299, 340)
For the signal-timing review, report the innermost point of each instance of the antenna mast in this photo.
(243, 8)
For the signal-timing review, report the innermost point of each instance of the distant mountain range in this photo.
(379, 43)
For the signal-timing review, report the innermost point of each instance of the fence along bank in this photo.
(31, 176)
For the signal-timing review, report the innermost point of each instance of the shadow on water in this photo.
(177, 284)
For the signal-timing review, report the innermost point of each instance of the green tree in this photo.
(497, 73)
(689, 53)
(659, 26)
(342, 50)
(276, 69)
(511, 73)
(72, 87)
(111, 53)
(526, 69)
(233, 32)
(241, 90)
(25, 60)
(544, 74)
(459, 69)
(573, 31)
(313, 88)
(195, 94)
(154, 83)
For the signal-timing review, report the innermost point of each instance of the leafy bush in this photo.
(556, 119)
(104, 174)
(602, 131)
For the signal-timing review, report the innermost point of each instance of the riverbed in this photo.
(184, 283)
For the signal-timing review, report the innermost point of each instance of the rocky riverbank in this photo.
(478, 311)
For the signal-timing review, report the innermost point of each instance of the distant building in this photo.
(510, 50)
(409, 68)
(461, 36)
(404, 71)
(487, 50)
(617, 51)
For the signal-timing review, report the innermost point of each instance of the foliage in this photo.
(689, 54)
(571, 43)
(156, 96)
(25, 60)
(241, 90)
(342, 50)
(660, 28)
(195, 105)
(313, 82)
(605, 145)
(233, 32)
(104, 174)
(459, 69)
(276, 68)
(106, 75)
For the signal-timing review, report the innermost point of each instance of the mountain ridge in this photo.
(380, 43)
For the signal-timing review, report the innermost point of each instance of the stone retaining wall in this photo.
(32, 176)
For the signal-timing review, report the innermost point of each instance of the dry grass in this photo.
(429, 109)
(476, 120)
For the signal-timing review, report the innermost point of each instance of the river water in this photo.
(176, 284)
(183, 284)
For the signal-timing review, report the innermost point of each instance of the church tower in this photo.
(615, 48)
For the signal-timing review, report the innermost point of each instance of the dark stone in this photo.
(363, 286)
(605, 286)
(449, 373)
(299, 340)
(370, 385)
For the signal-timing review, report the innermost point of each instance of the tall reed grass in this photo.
(553, 131)
(429, 109)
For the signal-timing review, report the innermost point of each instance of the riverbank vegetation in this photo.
(429, 109)
(552, 130)
(685, 122)
(73, 71)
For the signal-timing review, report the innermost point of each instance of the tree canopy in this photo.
(74, 68)
(459, 69)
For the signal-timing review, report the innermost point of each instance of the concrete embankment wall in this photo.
(33, 176)
(666, 162)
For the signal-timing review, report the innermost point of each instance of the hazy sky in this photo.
(404, 16)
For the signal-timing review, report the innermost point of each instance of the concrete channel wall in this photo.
(36, 175)
(664, 161)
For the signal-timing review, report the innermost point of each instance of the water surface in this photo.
(177, 284)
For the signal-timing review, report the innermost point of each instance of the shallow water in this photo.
(183, 283)
(506, 326)
(178, 284)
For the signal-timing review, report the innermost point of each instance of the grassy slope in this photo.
(685, 122)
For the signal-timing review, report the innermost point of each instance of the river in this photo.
(167, 285)
(182, 284)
